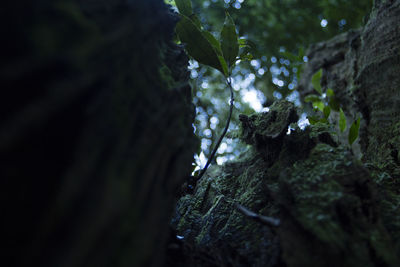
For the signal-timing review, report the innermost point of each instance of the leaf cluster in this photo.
(283, 25)
(202, 45)
(325, 103)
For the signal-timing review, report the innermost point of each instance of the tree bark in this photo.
(95, 131)
(337, 206)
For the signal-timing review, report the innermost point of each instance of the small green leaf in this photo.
(197, 44)
(342, 121)
(312, 98)
(330, 92)
(353, 132)
(184, 7)
(253, 49)
(229, 41)
(327, 111)
(246, 56)
(312, 120)
(242, 42)
(245, 51)
(319, 104)
(316, 81)
(334, 104)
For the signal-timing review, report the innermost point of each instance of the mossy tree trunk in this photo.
(95, 131)
(338, 206)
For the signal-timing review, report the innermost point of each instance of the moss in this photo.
(383, 164)
(324, 197)
(330, 196)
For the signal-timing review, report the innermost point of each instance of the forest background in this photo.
(279, 32)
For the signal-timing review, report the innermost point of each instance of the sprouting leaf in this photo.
(245, 56)
(229, 41)
(245, 52)
(329, 92)
(342, 121)
(353, 132)
(312, 98)
(242, 42)
(197, 45)
(252, 48)
(184, 7)
(247, 49)
(327, 111)
(316, 81)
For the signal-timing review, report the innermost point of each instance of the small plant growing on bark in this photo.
(327, 102)
(205, 48)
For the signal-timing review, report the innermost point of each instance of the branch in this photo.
(260, 218)
(228, 81)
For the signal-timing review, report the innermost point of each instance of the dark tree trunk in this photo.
(95, 131)
(337, 206)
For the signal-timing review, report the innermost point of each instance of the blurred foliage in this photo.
(281, 31)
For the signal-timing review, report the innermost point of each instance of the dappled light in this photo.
(275, 68)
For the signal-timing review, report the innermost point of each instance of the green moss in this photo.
(322, 194)
(331, 199)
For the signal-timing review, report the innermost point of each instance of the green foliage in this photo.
(202, 45)
(206, 49)
(184, 7)
(319, 103)
(197, 44)
(353, 133)
(329, 92)
(296, 60)
(316, 81)
(281, 31)
(277, 27)
(217, 46)
(247, 50)
(229, 41)
(326, 111)
(312, 98)
(333, 103)
(342, 121)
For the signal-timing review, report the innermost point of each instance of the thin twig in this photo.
(260, 218)
(228, 81)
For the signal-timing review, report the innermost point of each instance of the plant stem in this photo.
(228, 81)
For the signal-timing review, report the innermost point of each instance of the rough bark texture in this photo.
(337, 207)
(95, 131)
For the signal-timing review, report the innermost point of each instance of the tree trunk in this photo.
(336, 206)
(95, 131)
